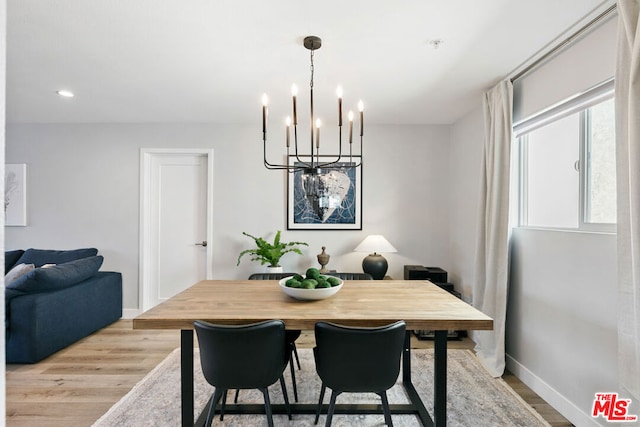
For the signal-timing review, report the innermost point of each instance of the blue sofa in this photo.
(58, 298)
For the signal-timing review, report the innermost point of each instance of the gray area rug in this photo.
(475, 399)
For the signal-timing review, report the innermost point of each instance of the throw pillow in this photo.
(11, 258)
(58, 276)
(16, 272)
(39, 257)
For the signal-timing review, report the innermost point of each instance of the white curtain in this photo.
(491, 271)
(627, 101)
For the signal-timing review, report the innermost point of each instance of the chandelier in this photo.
(313, 167)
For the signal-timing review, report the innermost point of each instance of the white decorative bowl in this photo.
(309, 294)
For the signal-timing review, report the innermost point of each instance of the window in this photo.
(567, 174)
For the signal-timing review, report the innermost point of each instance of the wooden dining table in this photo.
(367, 303)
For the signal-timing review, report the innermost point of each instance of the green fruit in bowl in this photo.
(312, 273)
(312, 280)
(334, 281)
(309, 284)
(293, 283)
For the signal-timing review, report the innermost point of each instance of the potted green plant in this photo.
(270, 253)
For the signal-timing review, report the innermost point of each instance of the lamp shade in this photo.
(374, 263)
(375, 243)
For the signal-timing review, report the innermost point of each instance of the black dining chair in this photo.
(270, 276)
(237, 357)
(291, 335)
(352, 276)
(358, 360)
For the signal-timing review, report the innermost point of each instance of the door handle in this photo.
(203, 243)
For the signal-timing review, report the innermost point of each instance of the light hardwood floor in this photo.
(75, 386)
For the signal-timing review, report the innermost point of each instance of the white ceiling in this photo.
(211, 60)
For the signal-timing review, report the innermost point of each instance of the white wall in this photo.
(561, 317)
(467, 136)
(84, 191)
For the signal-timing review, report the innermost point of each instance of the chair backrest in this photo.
(359, 359)
(352, 276)
(242, 356)
(269, 276)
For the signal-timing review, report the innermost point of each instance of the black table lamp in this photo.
(374, 263)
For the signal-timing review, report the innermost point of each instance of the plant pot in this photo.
(277, 269)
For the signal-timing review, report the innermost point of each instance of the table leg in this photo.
(186, 376)
(416, 402)
(440, 379)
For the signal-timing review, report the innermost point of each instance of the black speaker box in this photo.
(449, 288)
(415, 272)
(419, 272)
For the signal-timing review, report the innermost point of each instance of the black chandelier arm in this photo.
(361, 153)
(314, 164)
(324, 165)
(327, 165)
(275, 166)
(288, 168)
(295, 142)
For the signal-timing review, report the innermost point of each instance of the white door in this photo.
(175, 225)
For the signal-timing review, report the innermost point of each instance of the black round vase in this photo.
(376, 265)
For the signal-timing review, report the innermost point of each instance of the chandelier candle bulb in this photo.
(294, 93)
(318, 123)
(361, 108)
(350, 127)
(339, 93)
(265, 102)
(288, 123)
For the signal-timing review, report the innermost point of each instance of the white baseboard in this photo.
(130, 313)
(560, 403)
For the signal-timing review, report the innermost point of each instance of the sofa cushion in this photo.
(56, 277)
(11, 259)
(39, 257)
(16, 272)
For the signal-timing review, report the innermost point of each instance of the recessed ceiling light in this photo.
(65, 93)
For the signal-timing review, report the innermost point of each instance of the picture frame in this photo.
(340, 209)
(15, 194)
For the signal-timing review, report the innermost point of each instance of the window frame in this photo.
(580, 103)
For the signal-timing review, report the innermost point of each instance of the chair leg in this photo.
(293, 380)
(267, 406)
(224, 403)
(217, 394)
(385, 408)
(322, 390)
(295, 353)
(332, 407)
(283, 386)
(235, 399)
